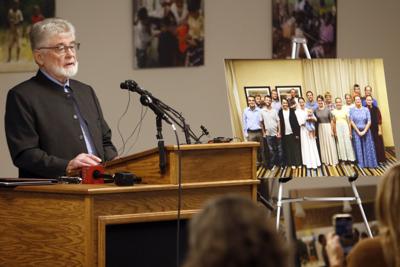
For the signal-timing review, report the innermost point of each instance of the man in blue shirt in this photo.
(310, 103)
(276, 104)
(252, 127)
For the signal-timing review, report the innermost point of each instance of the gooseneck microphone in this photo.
(163, 111)
(146, 99)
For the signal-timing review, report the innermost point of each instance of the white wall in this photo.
(234, 29)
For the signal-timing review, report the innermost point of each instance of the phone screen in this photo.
(344, 226)
(344, 229)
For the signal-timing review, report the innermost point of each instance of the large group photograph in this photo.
(329, 117)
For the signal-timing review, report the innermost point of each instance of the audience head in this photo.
(233, 231)
(142, 14)
(322, 240)
(388, 215)
(54, 48)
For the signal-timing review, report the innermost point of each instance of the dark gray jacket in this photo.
(43, 134)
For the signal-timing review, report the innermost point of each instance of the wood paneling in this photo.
(58, 225)
(42, 229)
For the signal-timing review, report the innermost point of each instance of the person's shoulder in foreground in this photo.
(367, 252)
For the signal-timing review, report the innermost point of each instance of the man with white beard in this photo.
(54, 125)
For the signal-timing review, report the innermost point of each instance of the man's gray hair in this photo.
(42, 30)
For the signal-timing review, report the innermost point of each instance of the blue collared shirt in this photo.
(311, 105)
(90, 148)
(251, 119)
(364, 102)
(276, 105)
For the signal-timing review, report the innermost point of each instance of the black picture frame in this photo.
(283, 90)
(256, 90)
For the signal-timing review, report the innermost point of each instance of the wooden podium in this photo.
(65, 224)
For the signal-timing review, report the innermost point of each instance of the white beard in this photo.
(66, 72)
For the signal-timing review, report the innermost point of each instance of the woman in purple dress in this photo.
(376, 129)
(363, 143)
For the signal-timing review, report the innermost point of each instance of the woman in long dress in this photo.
(290, 132)
(342, 131)
(363, 143)
(325, 133)
(309, 150)
(348, 103)
(376, 129)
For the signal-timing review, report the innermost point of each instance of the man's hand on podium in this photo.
(82, 160)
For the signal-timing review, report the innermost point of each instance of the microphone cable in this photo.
(122, 149)
(143, 113)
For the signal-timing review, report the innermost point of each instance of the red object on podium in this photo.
(87, 174)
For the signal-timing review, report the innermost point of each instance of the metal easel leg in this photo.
(296, 42)
(279, 205)
(294, 50)
(358, 199)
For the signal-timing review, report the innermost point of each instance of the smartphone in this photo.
(343, 225)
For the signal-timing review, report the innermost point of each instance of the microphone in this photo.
(148, 102)
(146, 99)
(132, 86)
(126, 179)
(353, 177)
(204, 129)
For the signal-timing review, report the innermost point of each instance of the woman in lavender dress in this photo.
(363, 143)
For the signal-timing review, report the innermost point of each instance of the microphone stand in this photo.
(161, 147)
(161, 109)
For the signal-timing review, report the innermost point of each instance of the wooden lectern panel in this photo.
(200, 163)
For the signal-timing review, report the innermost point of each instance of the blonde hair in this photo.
(388, 215)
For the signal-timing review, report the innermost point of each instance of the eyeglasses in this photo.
(62, 49)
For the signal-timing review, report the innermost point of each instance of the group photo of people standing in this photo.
(306, 132)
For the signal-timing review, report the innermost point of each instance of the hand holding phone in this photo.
(343, 224)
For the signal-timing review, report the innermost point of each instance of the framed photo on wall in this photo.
(284, 90)
(313, 20)
(17, 19)
(168, 33)
(256, 90)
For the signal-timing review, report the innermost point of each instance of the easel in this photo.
(356, 198)
(296, 41)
